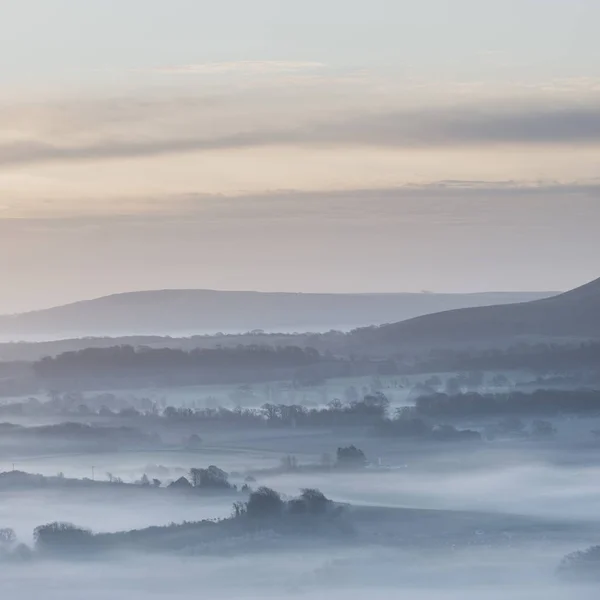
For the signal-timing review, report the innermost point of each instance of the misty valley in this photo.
(299, 299)
(302, 465)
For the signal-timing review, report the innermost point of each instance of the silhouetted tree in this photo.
(239, 509)
(351, 456)
(264, 502)
(297, 506)
(583, 565)
(315, 501)
(212, 477)
(61, 537)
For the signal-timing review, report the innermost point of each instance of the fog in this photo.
(277, 318)
(516, 481)
(24, 511)
(312, 575)
(428, 521)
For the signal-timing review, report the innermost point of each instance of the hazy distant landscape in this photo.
(473, 461)
(568, 316)
(300, 300)
(182, 313)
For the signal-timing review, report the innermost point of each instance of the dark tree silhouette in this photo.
(210, 478)
(63, 537)
(351, 456)
(582, 565)
(264, 502)
(540, 402)
(315, 501)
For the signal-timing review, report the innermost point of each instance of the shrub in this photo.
(584, 564)
(315, 501)
(61, 536)
(351, 456)
(264, 502)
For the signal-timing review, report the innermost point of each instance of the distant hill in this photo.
(571, 315)
(188, 312)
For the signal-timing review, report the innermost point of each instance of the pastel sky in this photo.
(330, 145)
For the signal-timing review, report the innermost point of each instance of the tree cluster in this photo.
(351, 457)
(583, 565)
(211, 478)
(540, 358)
(266, 503)
(539, 402)
(92, 361)
(264, 508)
(406, 424)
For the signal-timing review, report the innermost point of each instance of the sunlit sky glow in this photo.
(391, 145)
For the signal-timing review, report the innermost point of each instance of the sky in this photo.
(340, 146)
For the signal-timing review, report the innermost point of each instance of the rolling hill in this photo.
(570, 315)
(188, 312)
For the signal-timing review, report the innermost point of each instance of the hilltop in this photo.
(573, 315)
(188, 312)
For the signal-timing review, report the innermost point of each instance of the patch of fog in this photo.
(534, 489)
(131, 465)
(255, 395)
(105, 511)
(516, 478)
(331, 573)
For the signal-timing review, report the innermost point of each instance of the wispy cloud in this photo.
(263, 205)
(428, 128)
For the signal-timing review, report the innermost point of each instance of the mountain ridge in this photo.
(571, 314)
(188, 311)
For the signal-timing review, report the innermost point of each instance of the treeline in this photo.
(372, 411)
(126, 367)
(76, 404)
(581, 566)
(540, 358)
(265, 510)
(539, 402)
(369, 410)
(210, 479)
(410, 427)
(78, 433)
(20, 480)
(124, 358)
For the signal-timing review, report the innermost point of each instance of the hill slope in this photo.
(185, 312)
(573, 314)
